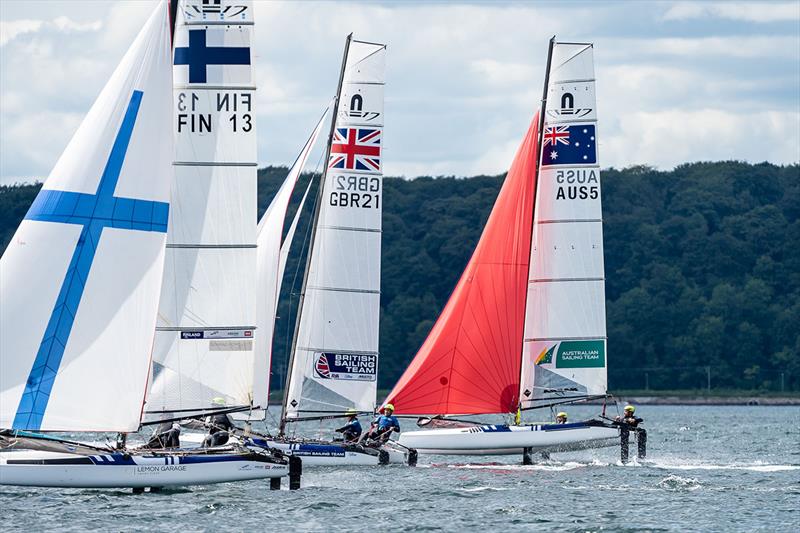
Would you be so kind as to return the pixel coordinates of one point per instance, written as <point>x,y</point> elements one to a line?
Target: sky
<point>677,82</point>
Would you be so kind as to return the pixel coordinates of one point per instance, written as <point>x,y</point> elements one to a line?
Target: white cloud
<point>743,11</point>
<point>671,137</point>
<point>463,80</point>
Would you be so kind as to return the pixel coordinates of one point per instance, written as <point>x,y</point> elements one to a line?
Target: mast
<point>542,112</point>
<point>317,208</point>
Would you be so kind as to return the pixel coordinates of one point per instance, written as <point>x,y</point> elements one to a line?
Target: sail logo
<point>346,366</point>
<point>356,149</point>
<point>215,10</point>
<point>581,354</point>
<point>546,357</point>
<point>356,110</point>
<point>569,145</point>
<point>568,109</point>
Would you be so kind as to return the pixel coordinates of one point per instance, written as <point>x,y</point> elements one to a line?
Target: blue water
<point>708,469</point>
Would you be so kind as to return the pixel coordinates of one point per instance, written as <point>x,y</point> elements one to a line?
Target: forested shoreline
<point>702,267</point>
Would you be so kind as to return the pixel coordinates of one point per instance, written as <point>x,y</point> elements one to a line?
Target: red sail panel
<point>470,362</point>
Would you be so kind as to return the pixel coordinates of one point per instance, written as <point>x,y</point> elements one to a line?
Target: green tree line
<point>702,268</point>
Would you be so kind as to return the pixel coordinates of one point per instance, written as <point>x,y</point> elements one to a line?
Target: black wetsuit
<point>165,439</point>
<point>218,434</point>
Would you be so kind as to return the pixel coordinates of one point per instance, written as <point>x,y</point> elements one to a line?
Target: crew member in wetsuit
<point>383,426</point>
<point>351,431</point>
<point>219,426</point>
<point>561,418</point>
<point>166,439</point>
<point>628,417</point>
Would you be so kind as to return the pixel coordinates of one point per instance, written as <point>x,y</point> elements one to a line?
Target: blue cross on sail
<point>213,55</point>
<point>80,281</point>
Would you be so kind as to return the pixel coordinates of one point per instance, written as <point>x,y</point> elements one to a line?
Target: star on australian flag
<point>569,145</point>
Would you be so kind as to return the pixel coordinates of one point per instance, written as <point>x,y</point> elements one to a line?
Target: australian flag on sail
<point>356,149</point>
<point>569,145</point>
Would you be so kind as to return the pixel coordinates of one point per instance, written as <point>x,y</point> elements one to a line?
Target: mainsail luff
<point>564,349</point>
<point>314,222</point>
<point>205,336</point>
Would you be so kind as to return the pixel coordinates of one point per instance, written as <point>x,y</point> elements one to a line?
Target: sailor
<point>561,418</point>
<point>166,439</point>
<point>386,423</point>
<point>351,431</point>
<point>628,417</point>
<point>219,426</point>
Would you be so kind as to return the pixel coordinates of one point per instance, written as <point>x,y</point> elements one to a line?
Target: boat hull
<point>510,440</point>
<point>332,454</point>
<point>117,470</point>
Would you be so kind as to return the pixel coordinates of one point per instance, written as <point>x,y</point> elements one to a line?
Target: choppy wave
<point>678,483</point>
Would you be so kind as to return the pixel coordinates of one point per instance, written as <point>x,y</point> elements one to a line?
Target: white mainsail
<point>564,351</point>
<point>204,346</point>
<point>271,262</point>
<point>80,280</point>
<point>335,354</point>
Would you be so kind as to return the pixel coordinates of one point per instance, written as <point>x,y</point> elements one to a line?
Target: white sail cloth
<point>204,346</point>
<point>335,360</point>
<point>271,262</point>
<point>79,282</point>
<point>564,352</point>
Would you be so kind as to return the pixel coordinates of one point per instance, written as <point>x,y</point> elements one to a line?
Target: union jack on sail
<point>356,149</point>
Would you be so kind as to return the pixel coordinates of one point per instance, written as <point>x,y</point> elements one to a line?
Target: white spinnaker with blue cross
<point>335,363</point>
<point>564,352</point>
<point>80,280</point>
<point>205,337</point>
<point>271,262</point>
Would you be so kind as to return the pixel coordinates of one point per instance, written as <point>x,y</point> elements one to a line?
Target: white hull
<point>510,440</point>
<point>330,454</point>
<point>53,469</point>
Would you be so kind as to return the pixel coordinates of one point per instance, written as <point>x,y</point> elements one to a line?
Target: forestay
<point>271,262</point>
<point>207,317</point>
<point>79,282</point>
<point>335,359</point>
<point>564,353</point>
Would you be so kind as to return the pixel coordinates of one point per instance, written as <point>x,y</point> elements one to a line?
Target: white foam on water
<point>757,466</point>
<point>483,489</point>
<point>534,467</point>
<point>673,482</point>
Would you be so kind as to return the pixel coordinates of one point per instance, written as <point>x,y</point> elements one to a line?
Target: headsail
<point>565,328</point>
<point>470,362</point>
<point>207,317</point>
<point>335,354</point>
<point>272,255</point>
<point>79,282</point>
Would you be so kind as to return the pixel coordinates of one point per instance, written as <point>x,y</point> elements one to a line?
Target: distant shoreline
<point>637,399</point>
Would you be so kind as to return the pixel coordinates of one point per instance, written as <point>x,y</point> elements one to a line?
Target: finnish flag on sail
<point>569,145</point>
<point>218,56</point>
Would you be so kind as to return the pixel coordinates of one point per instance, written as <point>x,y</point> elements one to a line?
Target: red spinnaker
<point>470,362</point>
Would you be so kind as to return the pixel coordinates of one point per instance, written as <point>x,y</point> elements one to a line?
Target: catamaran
<point>333,364</point>
<point>81,279</point>
<point>525,326</point>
